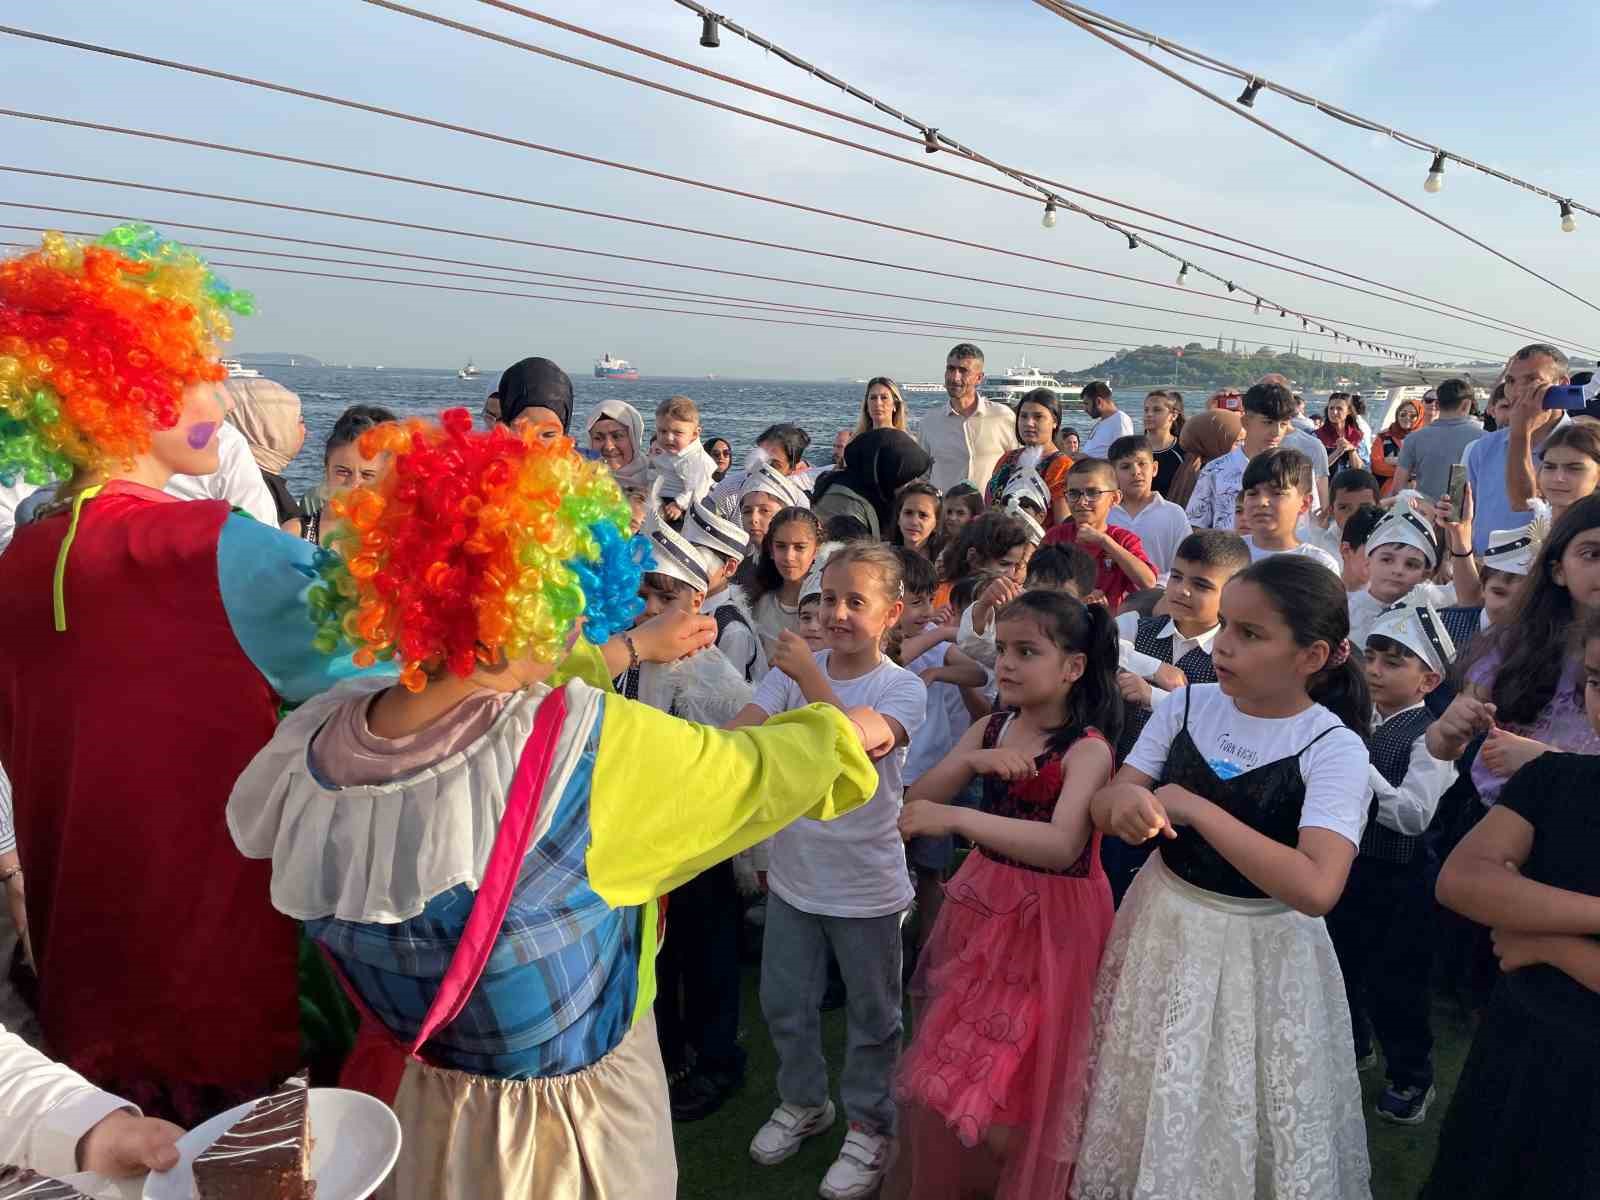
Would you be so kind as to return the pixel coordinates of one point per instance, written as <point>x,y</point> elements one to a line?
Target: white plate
<point>356,1141</point>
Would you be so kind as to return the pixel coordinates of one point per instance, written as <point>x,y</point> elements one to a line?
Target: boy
<point>1507,561</point>
<point>1057,568</point>
<point>1382,927</point>
<point>722,545</point>
<point>1401,553</point>
<point>1350,489</point>
<point>1091,495</point>
<point>1353,537</point>
<point>1277,491</point>
<point>1268,408</point>
<point>682,467</point>
<point>765,493</point>
<point>1160,523</point>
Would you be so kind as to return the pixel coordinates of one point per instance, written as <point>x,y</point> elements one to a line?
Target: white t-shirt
<point>237,479</point>
<point>1106,430</point>
<point>854,865</point>
<point>1215,490</point>
<point>948,718</point>
<point>1334,769</point>
<point>1161,526</point>
<point>1305,549</point>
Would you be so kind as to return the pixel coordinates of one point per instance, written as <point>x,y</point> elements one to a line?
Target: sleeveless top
<point>1267,798</point>
<point>1031,799</point>
<point>1391,754</point>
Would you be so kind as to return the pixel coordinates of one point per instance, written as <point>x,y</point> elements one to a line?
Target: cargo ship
<point>606,367</point>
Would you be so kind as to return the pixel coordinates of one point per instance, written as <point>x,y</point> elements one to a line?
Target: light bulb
<point>1049,221</point>
<point>1435,180</point>
<point>1183,275</point>
<point>1569,223</point>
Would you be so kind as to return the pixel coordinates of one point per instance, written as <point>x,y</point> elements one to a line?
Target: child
<point>1522,1121</point>
<point>1000,1059</point>
<point>1383,926</point>
<point>1160,524</point>
<point>1065,569</point>
<point>996,541</point>
<point>1349,490</point>
<point>917,513</point>
<point>1091,495</point>
<point>722,546</point>
<point>683,470</point>
<point>1268,408</point>
<point>841,887</point>
<point>765,492</point>
<point>773,583</point>
<point>1223,1032</point>
<point>962,505</point>
<point>1402,551</point>
<point>1277,487</point>
<point>1353,536</point>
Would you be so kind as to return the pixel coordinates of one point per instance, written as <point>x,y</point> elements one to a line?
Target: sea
<point>735,409</point>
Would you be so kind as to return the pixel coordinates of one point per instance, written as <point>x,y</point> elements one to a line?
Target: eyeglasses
<point>1089,494</point>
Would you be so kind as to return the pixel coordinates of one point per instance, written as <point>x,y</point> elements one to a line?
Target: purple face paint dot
<point>200,435</point>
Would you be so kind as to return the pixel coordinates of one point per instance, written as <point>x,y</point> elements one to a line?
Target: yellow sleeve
<point>584,662</point>
<point>669,798</point>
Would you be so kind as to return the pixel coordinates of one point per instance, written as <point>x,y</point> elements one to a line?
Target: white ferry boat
<point>1020,380</point>
<point>237,370</point>
<point>470,371</point>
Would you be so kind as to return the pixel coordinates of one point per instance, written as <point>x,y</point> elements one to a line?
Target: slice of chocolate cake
<point>265,1156</point>
<point>19,1183</point>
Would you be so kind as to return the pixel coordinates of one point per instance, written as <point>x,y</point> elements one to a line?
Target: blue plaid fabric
<point>559,989</point>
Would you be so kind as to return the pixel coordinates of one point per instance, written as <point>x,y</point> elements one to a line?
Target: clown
<point>481,853</point>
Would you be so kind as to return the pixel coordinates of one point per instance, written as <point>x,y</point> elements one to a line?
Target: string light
<point>1569,223</point>
<point>1183,275</point>
<point>1133,242</point>
<point>1049,221</point>
<point>1251,91</point>
<point>1258,306</point>
<point>1435,180</point>
<point>1231,288</point>
<point>930,141</point>
<point>708,31</point>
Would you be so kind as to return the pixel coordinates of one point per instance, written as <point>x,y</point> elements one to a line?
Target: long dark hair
<point>1095,701</point>
<point>992,535</point>
<point>1312,601</point>
<point>1044,398</point>
<point>1532,641</point>
<point>935,542</point>
<point>765,578</point>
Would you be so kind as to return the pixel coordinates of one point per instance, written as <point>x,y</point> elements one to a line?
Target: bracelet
<point>11,874</point>
<point>633,653</point>
<point>1468,554</point>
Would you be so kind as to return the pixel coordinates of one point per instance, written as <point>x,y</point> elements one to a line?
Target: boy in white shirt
<point>683,470</point>
<point>1277,489</point>
<point>1266,412</point>
<point>1160,524</point>
<point>722,544</point>
<point>1402,552</point>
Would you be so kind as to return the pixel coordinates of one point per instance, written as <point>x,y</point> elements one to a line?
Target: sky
<point>1006,77</point>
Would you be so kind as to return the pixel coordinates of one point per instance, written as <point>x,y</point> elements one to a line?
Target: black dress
<point>1525,1119</point>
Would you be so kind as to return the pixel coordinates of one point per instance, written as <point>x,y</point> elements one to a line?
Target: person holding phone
<point>1534,367</point>
<point>1569,462</point>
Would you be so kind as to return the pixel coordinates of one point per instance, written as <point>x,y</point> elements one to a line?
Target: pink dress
<point>1004,1024</point>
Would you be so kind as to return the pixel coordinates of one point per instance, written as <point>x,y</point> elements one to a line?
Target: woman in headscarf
<point>268,414</point>
<point>1038,419</point>
<point>877,464</point>
<point>616,434</point>
<point>1386,446</point>
<point>1205,436</point>
<point>882,407</point>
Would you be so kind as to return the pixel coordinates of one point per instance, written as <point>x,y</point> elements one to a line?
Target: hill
<point>1198,368</point>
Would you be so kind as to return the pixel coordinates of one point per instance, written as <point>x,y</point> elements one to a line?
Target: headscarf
<point>534,383</point>
<point>268,414</point>
<point>1206,436</point>
<point>877,464</point>
<point>633,475</point>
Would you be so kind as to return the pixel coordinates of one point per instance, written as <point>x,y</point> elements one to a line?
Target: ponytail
<point>1342,690</point>
<point>1076,628</point>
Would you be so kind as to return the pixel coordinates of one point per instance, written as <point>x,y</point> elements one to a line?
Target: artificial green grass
<point>714,1160</point>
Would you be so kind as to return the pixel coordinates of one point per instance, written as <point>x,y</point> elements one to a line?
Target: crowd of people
<point>1166,776</point>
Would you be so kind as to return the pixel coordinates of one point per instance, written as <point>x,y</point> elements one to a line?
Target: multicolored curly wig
<point>473,546</point>
<point>97,343</point>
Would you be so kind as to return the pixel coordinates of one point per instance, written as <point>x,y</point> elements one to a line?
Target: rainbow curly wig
<point>97,343</point>
<point>473,546</point>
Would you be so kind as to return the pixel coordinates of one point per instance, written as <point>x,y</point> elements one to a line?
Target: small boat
<point>237,370</point>
<point>470,371</point>
<point>606,367</point>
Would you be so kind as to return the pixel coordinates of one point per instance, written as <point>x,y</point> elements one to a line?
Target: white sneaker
<point>786,1128</point>
<point>860,1167</point>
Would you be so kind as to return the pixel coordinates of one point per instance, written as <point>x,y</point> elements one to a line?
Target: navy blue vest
<point>1195,665</point>
<point>1390,747</point>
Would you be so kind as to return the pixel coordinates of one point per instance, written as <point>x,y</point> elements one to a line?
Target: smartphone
<point>1457,489</point>
<point>1569,398</point>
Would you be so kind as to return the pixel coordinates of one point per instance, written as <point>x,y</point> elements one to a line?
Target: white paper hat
<point>1406,527</point>
<point>674,556</point>
<point>1027,484</point>
<point>1015,510</point>
<point>703,526</point>
<point>776,484</point>
<point>1418,628</point>
<point>1513,550</point>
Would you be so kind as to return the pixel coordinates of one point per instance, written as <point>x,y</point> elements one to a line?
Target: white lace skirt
<point>1223,1067</point>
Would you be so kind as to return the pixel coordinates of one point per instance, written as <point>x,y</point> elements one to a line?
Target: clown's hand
<point>672,635</point>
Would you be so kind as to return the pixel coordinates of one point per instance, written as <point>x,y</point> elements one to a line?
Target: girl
<point>876,466</point>
<point>343,466</point>
<point>1521,689</point>
<point>1223,1042</point>
<point>1386,447</point>
<point>1569,468</point>
<point>616,434</point>
<point>1038,420</point>
<point>881,407</point>
<point>996,541</point>
<point>842,886</point>
<point>772,585</point>
<point>1523,1119</point>
<point>1339,434</point>
<point>962,504</point>
<point>1001,1051</point>
<point>1163,426</point>
<point>918,512</point>
<point>1069,443</point>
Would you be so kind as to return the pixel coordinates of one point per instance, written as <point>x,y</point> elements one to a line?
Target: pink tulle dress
<point>1004,1025</point>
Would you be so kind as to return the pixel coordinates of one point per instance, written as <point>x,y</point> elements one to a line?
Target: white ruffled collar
<point>380,852</point>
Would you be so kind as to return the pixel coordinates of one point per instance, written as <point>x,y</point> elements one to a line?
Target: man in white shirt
<point>1110,422</point>
<point>237,479</point>
<point>967,436</point>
